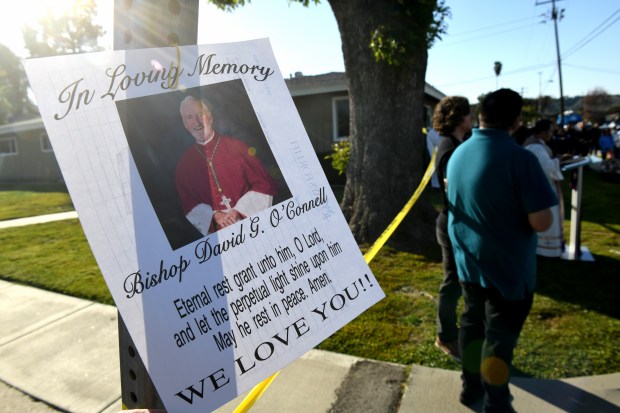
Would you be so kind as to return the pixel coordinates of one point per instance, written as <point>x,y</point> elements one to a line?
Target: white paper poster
<point>228,260</point>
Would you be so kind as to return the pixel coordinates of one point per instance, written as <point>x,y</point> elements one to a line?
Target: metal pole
<point>574,247</point>
<point>145,24</point>
<point>554,15</point>
<point>137,389</point>
<point>539,95</point>
<point>154,23</point>
<point>574,250</point>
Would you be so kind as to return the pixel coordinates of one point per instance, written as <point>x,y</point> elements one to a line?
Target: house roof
<point>21,126</point>
<point>301,85</point>
<point>433,91</point>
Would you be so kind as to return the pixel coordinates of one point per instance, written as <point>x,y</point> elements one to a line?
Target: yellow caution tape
<point>260,388</point>
<point>255,394</point>
<point>401,215</point>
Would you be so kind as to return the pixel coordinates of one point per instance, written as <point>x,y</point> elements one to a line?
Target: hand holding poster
<point>207,210</point>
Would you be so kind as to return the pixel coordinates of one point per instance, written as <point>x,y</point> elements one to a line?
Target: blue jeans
<point>490,327</point>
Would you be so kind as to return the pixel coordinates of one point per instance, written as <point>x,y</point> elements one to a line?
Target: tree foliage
<point>230,5</point>
<point>529,112</point>
<point>14,100</point>
<point>72,31</point>
<point>393,43</point>
<point>545,104</point>
<point>595,105</point>
<point>497,68</point>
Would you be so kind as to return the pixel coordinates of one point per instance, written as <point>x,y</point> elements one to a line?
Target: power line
<point>592,32</point>
<point>466,81</point>
<point>551,77</point>
<point>584,42</point>
<point>485,36</point>
<point>594,69</point>
<point>529,68</point>
<point>512,72</point>
<point>494,26</point>
<point>528,42</point>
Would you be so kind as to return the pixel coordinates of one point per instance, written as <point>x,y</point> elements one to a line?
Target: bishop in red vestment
<point>219,179</point>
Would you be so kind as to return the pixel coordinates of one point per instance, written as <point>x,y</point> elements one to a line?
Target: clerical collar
<point>208,140</point>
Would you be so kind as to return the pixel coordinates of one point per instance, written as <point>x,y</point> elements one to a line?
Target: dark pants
<point>490,327</point>
<point>449,290</point>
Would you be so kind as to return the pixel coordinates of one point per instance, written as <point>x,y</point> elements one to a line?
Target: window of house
<point>8,146</point>
<point>340,110</point>
<point>428,117</point>
<point>46,145</point>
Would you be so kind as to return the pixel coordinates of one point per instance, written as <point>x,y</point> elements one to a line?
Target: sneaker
<point>451,348</point>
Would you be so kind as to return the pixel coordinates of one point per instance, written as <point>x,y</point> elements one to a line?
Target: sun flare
<point>29,13</point>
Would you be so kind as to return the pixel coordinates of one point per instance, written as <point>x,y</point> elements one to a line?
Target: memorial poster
<point>206,209</point>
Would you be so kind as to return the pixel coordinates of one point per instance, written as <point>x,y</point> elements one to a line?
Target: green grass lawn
<point>25,200</point>
<point>573,329</point>
<point>53,256</point>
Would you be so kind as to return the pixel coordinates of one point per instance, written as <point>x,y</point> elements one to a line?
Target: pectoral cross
<point>226,203</point>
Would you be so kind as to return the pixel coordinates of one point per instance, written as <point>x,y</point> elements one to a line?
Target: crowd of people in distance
<point>587,139</point>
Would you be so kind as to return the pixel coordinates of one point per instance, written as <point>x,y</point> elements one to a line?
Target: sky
<point>518,33</point>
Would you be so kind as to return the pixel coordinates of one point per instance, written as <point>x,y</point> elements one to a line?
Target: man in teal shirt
<point>498,198</point>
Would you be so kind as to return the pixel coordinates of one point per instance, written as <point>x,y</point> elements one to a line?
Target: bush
<point>340,156</point>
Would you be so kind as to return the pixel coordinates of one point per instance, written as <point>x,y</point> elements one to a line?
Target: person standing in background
<point>432,141</point>
<point>550,241</point>
<point>453,121</point>
<point>606,144</point>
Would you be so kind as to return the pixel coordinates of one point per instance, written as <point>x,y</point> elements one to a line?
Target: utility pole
<point>555,14</point>
<point>539,95</point>
<point>146,24</point>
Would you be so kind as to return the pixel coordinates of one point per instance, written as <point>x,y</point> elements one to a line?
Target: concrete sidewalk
<point>61,353</point>
<point>41,219</point>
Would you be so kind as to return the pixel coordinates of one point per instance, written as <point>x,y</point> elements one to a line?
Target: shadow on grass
<point>34,187</point>
<point>593,286</point>
<point>610,229</point>
<point>600,199</point>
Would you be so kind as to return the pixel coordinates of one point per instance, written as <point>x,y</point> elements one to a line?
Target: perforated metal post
<point>137,389</point>
<point>145,24</point>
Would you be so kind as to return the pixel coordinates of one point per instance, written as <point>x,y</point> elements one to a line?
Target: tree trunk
<point>387,145</point>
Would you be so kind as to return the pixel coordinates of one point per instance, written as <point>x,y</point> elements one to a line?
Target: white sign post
<point>211,312</point>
